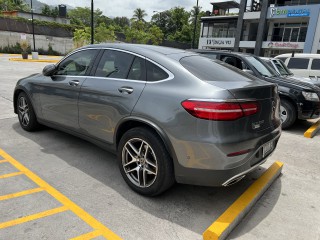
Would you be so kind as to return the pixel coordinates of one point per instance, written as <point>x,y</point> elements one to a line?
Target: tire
<point>288,113</point>
<point>27,118</point>
<point>144,162</point>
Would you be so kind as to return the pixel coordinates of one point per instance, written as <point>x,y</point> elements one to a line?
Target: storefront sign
<point>217,42</point>
<point>299,12</point>
<point>283,45</point>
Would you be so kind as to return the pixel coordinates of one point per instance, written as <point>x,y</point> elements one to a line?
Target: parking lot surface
<point>89,177</point>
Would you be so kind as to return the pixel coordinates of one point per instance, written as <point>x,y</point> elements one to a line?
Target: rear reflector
<point>220,111</point>
<point>239,153</point>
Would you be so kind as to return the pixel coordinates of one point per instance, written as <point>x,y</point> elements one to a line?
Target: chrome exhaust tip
<point>233,180</point>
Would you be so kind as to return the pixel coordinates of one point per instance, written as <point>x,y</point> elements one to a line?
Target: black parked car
<point>299,99</point>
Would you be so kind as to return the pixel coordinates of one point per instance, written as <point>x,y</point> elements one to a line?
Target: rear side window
<point>114,64</point>
<point>298,63</point>
<point>138,69</point>
<point>155,73</point>
<point>315,64</point>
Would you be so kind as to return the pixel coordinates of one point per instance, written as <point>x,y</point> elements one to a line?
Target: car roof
<point>299,55</point>
<point>146,50</point>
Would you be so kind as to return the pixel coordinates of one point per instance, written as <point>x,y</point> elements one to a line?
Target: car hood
<point>295,82</point>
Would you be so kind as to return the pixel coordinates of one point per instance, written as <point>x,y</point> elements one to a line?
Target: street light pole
<point>34,41</point>
<point>195,24</point>
<point>92,32</point>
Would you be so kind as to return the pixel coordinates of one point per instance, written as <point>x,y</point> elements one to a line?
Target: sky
<point>119,8</point>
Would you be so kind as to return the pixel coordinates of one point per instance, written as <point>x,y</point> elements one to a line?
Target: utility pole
<point>32,23</point>
<point>195,25</point>
<point>92,27</point>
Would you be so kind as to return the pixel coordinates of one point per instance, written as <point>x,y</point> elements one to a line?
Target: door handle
<point>74,83</point>
<point>126,90</point>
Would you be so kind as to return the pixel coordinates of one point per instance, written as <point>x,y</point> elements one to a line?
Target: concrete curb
<point>33,60</point>
<point>312,131</point>
<point>222,227</point>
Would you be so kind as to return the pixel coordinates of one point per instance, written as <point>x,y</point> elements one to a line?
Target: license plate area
<point>267,148</point>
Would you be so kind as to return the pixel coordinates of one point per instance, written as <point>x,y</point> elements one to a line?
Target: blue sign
<point>302,12</point>
<point>299,13</point>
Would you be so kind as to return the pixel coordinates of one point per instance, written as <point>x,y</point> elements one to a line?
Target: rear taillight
<point>220,111</point>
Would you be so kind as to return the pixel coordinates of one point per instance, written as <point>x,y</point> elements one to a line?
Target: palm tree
<point>139,14</point>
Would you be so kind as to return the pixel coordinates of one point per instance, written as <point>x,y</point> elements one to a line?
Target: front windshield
<point>261,67</point>
<point>282,67</point>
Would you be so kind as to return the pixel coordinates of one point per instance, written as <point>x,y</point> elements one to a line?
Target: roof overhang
<point>225,4</point>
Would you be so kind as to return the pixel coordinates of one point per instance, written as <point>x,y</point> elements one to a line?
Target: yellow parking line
<point>312,130</point>
<point>4,161</point>
<point>11,175</point>
<point>33,217</point>
<point>20,194</point>
<point>33,60</point>
<point>87,236</point>
<point>95,224</point>
<point>229,219</point>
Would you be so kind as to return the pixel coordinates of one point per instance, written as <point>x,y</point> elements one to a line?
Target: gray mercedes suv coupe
<point>170,115</point>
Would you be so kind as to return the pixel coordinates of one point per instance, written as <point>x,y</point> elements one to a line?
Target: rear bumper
<point>224,177</point>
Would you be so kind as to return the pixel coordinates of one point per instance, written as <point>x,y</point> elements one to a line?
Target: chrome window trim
<point>171,76</point>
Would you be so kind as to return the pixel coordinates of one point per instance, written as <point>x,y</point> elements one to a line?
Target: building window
<point>219,30</point>
<point>289,32</point>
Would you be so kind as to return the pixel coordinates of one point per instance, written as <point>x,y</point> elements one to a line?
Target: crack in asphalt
<point>6,98</point>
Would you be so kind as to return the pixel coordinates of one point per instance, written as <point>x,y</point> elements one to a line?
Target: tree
<point>139,14</point>
<point>82,16</point>
<point>156,35</point>
<point>121,21</point>
<point>54,12</point>
<point>81,37</point>
<point>9,5</point>
<point>104,33</point>
<point>46,10</point>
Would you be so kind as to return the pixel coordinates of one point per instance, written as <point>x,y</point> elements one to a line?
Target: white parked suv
<point>302,64</point>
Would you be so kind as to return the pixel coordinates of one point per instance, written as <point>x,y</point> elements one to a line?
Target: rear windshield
<point>213,70</point>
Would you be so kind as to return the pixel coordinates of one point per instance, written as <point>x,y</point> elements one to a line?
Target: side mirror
<point>49,70</point>
<point>248,71</point>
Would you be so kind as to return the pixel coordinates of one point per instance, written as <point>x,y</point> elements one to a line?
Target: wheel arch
<point>133,122</point>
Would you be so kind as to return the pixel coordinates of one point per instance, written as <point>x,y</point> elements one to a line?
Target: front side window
<point>261,67</point>
<point>77,64</point>
<point>114,64</point>
<point>298,63</point>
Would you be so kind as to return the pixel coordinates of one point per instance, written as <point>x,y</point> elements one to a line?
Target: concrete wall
<point>62,45</point>
<point>42,17</point>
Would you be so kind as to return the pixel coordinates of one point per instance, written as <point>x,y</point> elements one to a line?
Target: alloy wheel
<point>139,162</point>
<point>23,109</point>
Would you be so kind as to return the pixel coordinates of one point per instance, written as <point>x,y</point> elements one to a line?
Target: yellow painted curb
<point>33,60</point>
<point>312,130</point>
<point>233,215</point>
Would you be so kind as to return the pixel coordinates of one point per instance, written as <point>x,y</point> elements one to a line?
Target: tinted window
<point>211,70</point>
<point>138,69</point>
<point>298,63</point>
<point>315,64</point>
<point>155,73</point>
<point>77,64</point>
<point>282,59</point>
<point>114,64</point>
